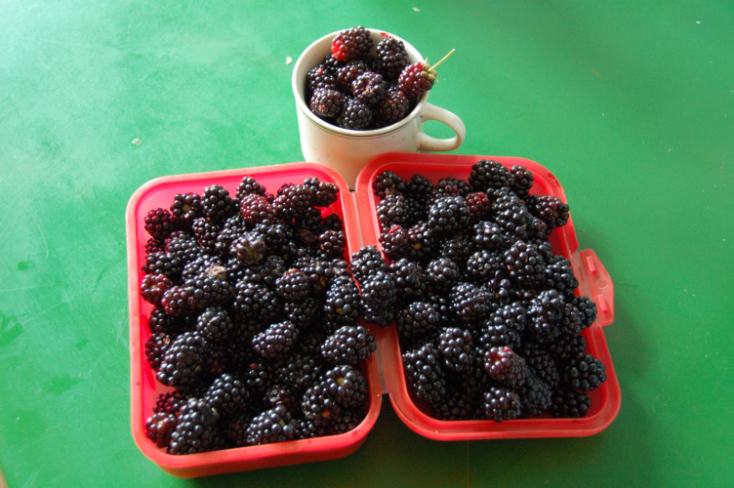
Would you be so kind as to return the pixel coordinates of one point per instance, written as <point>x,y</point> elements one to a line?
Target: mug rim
<point>304,108</point>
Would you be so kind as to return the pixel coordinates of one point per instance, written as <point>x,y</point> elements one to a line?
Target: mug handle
<point>428,143</point>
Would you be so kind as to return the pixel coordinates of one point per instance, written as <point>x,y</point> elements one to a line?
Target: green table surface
<point>629,104</point>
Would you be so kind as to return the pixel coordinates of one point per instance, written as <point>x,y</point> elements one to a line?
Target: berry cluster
<point>356,90</point>
<point>254,318</point>
<point>487,316</point>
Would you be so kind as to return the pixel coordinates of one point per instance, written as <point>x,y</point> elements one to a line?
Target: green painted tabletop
<point>629,104</point>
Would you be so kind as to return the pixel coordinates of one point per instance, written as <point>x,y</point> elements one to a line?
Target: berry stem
<point>433,68</point>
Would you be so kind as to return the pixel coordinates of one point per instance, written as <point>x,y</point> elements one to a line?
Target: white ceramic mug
<point>348,151</point>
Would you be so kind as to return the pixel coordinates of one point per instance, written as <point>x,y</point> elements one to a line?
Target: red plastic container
<point>594,282</point>
<point>145,388</point>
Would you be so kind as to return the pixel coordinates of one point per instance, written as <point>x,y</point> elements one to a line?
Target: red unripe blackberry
<point>256,208</point>
<point>153,287</point>
<point>351,44</point>
<point>416,79</point>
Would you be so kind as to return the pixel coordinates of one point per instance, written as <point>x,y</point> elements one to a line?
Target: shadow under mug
<point>348,151</point>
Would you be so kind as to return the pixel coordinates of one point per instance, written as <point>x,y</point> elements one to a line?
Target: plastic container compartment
<point>145,388</point>
<point>594,282</point>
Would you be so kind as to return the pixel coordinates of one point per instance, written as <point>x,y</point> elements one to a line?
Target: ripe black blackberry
<point>265,272</point>
<point>387,183</point>
<point>424,374</point>
<point>170,402</point>
<point>470,303</point>
<point>258,375</point>
<point>569,403</point>
<point>566,347</point>
<point>408,277</point>
<point>153,287</point>
<point>164,264</point>
<point>456,348</point>
<point>442,274</point>
<point>584,372</point>
<point>393,107</point>
<point>249,186</point>
<point>502,404</point>
<point>419,188</point>
<point>455,406</point>
<point>276,340</point>
<point>559,276</point>
<point>348,420</point>
<point>524,265</point>
<point>299,372</point>
<point>393,58</point>
<point>450,187</point>
<point>159,426</point>
<point>214,324</point>
<point>394,242</point>
<point>310,341</point>
<point>209,290</point>
<point>544,314</point>
<point>505,366</point>
<point>511,214</point>
<point>195,430</point>
<point>295,201</point>
<point>379,291</point>
<point>293,286</point>
<point>348,72</point>
<point>185,208</point>
<point>369,88</point>
<point>490,236</point>
<point>206,232</point>
<point>155,349</point>
<point>319,273</point>
<point>346,385</point>
<point>204,263</point>
<point>367,261</point>
<point>513,316</point>
<point>392,210</point>
<point>356,115</point>
<point>381,317</point>
<point>332,242</point>
<point>271,426</point>
<point>348,345</point>
<point>320,77</point>
<point>318,404</point>
<point>159,223</point>
<point>255,304</point>
<point>233,228</point>
<point>549,209</point>
<point>541,364</point>
<point>333,222</point>
<point>178,301</point>
<point>218,205</point>
<point>327,102</point>
<point>484,266</point>
<point>448,215</point>
<point>309,429</point>
<point>587,308</point>
<point>535,396</point>
<point>236,428</point>
<point>522,181</point>
<point>154,245</point>
<point>488,176</point>
<point>498,335</point>
<point>227,395</point>
<point>325,193</point>
<point>422,242</point>
<point>250,248</point>
<point>303,313</point>
<point>161,322</point>
<point>281,395</point>
<point>571,321</point>
<point>442,305</point>
<point>352,43</point>
<point>457,248</point>
<point>343,303</point>
<point>183,360</point>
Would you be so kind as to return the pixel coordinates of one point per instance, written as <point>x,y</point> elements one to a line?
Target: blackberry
<point>489,236</point>
<point>161,322</point>
<point>535,396</point>
<point>367,261</point>
<point>159,223</point>
<point>250,248</point>
<point>569,403</point>
<point>448,215</point>
<point>442,274</point>
<point>545,313</point>
<point>502,404</point>
<point>522,181</point>
<point>153,287</point>
<point>158,428</point>
<point>280,395</point>
<point>319,78</point>
<point>524,265</point>
<point>327,102</point>
<point>309,429</point>
<point>419,188</point>
<point>206,232</point>
<point>566,347</point>
<point>276,340</point>
<point>450,187</point>
<point>271,426</point>
<point>536,229</point>
<point>332,242</point>
<point>204,264</point>
<point>351,44</point>
<point>227,396</point>
<point>392,210</point>
<point>455,346</point>
<point>422,242</point>
<point>164,264</point>
<point>186,207</point>
<point>369,88</point>
<point>310,342</point>
<point>478,204</point>
<point>584,372</point>
<point>258,376</point>
<point>178,301</point>
<point>416,211</point>
<point>170,402</point>
<point>393,107</point>
<point>348,345</point>
<point>293,286</point>
<point>470,303</point>
<point>571,320</point>
<point>249,186</point>
<point>343,303</point>
<point>319,273</point>
<point>394,242</point>
<point>214,324</point>
<point>416,79</point>
<point>541,364</point>
<point>381,317</point>
<point>442,305</point>
<point>155,348</point>
<point>218,205</point>
<point>256,209</point>
<point>348,420</point>
<point>457,249</point>
<point>346,385</point>
<point>333,222</point>
<point>154,245</point>
<point>512,316</point>
<point>559,276</point>
<point>267,271</point>
<point>408,277</point>
<point>505,366</point>
<point>209,290</point>
<point>549,209</point>
<point>511,214</point>
<point>184,246</point>
<point>255,304</point>
<point>356,115</point>
<point>379,291</point>
<point>325,193</point>
<point>387,183</point>
<point>349,72</point>
<point>303,313</point>
<point>318,405</point>
<point>488,176</point>
<point>233,228</point>
<point>393,58</point>
<point>299,372</point>
<point>424,374</point>
<point>183,360</point>
<point>587,308</point>
<point>294,202</point>
<point>236,429</point>
<point>455,406</point>
<point>498,335</point>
